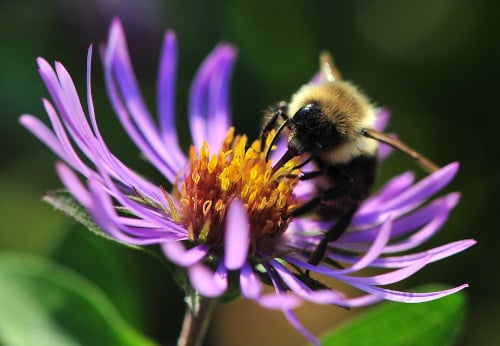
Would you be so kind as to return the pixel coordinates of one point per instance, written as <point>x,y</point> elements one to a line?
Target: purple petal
<point>250,284</point>
<point>68,103</point>
<point>437,209</point>
<point>206,282</point>
<point>434,255</point>
<point>73,184</point>
<point>419,237</point>
<point>325,296</point>
<point>290,316</point>
<point>158,216</point>
<point>414,195</point>
<point>374,251</point>
<point>166,97</point>
<point>177,253</point>
<point>70,155</point>
<point>209,98</point>
<point>274,301</point>
<point>103,212</point>
<point>72,115</point>
<point>166,86</point>
<point>317,78</point>
<point>43,133</point>
<point>392,188</point>
<point>383,117</point>
<point>382,279</point>
<point>116,168</point>
<point>292,319</point>
<point>129,106</point>
<point>236,236</point>
<point>424,189</point>
<point>365,300</point>
<point>386,278</point>
<point>409,297</point>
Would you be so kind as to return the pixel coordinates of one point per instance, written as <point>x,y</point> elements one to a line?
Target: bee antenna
<point>275,138</point>
<point>427,164</point>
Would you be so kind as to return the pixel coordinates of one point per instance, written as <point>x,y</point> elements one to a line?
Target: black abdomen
<point>357,176</point>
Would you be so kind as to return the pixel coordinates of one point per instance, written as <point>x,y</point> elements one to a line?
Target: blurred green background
<point>433,63</point>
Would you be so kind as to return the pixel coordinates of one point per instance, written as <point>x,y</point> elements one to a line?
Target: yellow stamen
<point>236,171</point>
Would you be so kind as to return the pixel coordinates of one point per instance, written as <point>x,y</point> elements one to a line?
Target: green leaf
<point>135,282</point>
<point>43,303</point>
<point>432,323</point>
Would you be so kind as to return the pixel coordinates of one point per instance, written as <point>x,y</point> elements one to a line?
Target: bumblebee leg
<point>311,175</point>
<point>333,234</point>
<point>271,120</point>
<point>332,193</point>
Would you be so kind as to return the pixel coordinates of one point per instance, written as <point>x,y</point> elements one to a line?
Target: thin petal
<point>287,310</point>
<point>383,117</point>
<point>73,184</point>
<point>103,212</point>
<point>381,279</point>
<point>365,300</point>
<point>419,237</point>
<point>374,251</point>
<point>323,296</point>
<point>250,284</point>
<point>434,255</point>
<point>166,97</point>
<point>236,236</point>
<point>156,215</point>
<point>128,104</point>
<point>409,297</point>
<point>414,195</point>
<point>437,209</point>
<point>290,316</point>
<point>43,133</point>
<point>206,282</point>
<point>177,253</point>
<point>208,102</point>
<point>390,189</point>
<point>273,301</point>
<point>116,168</point>
<point>387,278</point>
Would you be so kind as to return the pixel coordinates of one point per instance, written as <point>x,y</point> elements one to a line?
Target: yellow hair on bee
<point>346,107</point>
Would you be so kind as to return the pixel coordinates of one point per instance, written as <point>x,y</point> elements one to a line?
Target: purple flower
<point>226,210</point>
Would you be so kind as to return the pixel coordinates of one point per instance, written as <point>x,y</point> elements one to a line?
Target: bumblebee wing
<point>427,164</point>
<point>329,72</point>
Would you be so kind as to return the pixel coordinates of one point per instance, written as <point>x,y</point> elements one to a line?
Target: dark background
<point>434,63</point>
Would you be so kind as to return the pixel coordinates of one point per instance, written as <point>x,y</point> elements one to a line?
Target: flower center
<point>214,180</point>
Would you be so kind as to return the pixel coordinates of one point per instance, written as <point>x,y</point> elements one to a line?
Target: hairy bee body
<point>332,122</point>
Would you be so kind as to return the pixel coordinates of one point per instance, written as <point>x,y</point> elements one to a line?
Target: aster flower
<point>226,212</point>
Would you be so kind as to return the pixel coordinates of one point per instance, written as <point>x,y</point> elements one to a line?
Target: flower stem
<point>196,321</point>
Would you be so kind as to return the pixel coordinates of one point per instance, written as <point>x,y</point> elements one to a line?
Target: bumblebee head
<point>310,130</point>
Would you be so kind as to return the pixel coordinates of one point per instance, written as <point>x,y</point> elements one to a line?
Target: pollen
<point>238,170</point>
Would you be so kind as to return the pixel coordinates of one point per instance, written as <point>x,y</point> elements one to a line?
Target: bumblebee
<point>331,123</point>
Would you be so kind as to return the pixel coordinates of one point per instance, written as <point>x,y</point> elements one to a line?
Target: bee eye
<point>307,115</point>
